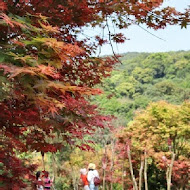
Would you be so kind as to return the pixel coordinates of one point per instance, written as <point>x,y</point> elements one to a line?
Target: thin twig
<point>109,33</point>
<point>150,33</point>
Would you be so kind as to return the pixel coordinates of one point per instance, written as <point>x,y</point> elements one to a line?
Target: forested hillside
<point>143,78</point>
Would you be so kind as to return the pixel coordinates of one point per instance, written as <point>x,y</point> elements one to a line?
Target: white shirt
<point>39,187</point>
<point>91,175</point>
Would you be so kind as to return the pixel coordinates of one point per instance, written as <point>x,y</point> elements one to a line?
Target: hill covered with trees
<point>143,78</point>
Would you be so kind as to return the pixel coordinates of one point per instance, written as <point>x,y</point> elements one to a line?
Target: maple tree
<point>48,73</point>
<point>159,136</point>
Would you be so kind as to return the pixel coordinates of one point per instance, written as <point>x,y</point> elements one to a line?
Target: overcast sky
<point>174,37</point>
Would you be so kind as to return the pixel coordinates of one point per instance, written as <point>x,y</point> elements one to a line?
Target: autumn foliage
<point>160,131</point>
<point>48,73</point>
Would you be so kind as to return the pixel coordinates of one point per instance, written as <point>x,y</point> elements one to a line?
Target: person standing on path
<point>47,181</point>
<point>83,177</point>
<point>92,173</point>
<point>39,181</point>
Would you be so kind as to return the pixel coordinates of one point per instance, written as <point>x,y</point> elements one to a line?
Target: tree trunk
<point>169,172</point>
<point>104,170</point>
<point>145,171</point>
<point>140,173</point>
<point>122,175</point>
<point>54,170</point>
<point>112,164</point>
<point>104,178</point>
<point>131,170</point>
<point>54,167</point>
<point>43,162</point>
<point>107,187</point>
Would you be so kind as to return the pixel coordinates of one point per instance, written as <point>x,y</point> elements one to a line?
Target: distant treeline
<point>143,78</point>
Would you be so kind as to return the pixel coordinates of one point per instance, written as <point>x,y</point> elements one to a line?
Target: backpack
<point>97,181</point>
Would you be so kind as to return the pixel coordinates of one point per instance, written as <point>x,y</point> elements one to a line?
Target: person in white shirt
<point>92,173</point>
<point>39,185</point>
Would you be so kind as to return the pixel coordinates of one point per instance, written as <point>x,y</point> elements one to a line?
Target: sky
<point>174,38</point>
